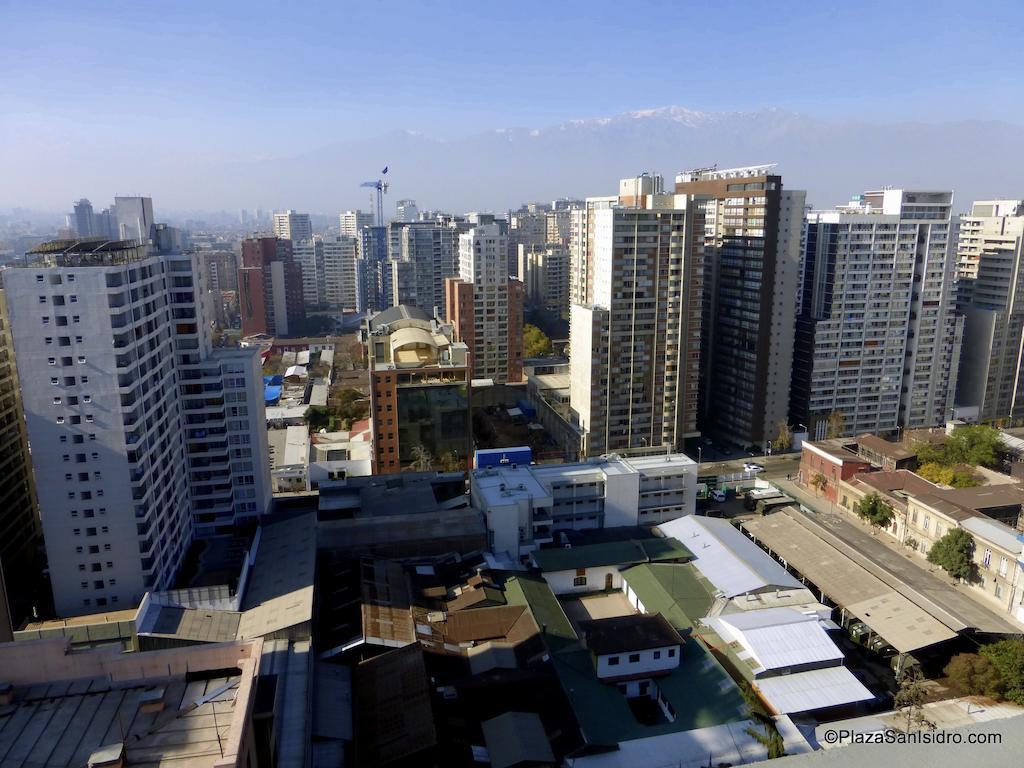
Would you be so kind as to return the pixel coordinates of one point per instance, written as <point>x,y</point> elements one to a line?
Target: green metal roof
<point>611,553</point>
<point>676,591</point>
<point>699,690</point>
<point>535,593</point>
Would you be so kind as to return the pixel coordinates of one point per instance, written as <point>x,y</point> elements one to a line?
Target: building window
<point>580,579</point>
<point>657,655</point>
<point>671,653</point>
<point>986,559</point>
<point>613,661</point>
<point>634,658</point>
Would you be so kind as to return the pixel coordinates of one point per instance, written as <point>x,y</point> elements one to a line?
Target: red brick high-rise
<point>270,288</point>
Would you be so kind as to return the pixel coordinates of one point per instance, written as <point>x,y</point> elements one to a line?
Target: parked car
<point>755,468</point>
<point>718,495</point>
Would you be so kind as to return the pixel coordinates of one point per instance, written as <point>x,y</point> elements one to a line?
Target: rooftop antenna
<point>382,187</point>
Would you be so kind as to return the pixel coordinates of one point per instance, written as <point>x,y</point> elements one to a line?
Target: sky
<point>132,96</point>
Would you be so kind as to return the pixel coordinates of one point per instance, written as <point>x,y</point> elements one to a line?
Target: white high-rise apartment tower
<point>95,349</point>
<point>141,432</point>
<point>340,252</point>
<point>990,293</point>
<point>309,254</point>
<point>223,413</point>
<point>351,223</point>
<point>877,338</point>
<point>293,226</point>
<point>635,339</point>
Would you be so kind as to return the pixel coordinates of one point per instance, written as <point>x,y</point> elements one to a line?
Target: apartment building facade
<point>309,255</point>
<point>485,305</point>
<point>93,330</point>
<point>340,276</point>
<point>270,294</point>
<point>293,226</point>
<point>525,506</point>
<point>752,264</point>
<point>635,359</point>
<point>351,223</point>
<point>419,392</point>
<point>223,413</point>
<point>878,337</point>
<point>990,294</point>
<point>544,273</point>
<point>19,516</point>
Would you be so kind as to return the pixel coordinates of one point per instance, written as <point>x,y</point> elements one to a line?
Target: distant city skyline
<point>183,111</point>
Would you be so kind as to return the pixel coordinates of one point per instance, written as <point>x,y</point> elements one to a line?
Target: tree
<point>974,675</point>
<point>1007,656</point>
<point>784,439</point>
<point>819,482</point>
<point>955,477</point>
<point>875,511</point>
<point>450,462</point>
<point>910,699</point>
<point>972,445</point>
<point>954,552</point>
<point>422,461</point>
<point>835,424</point>
<point>975,445</point>
<point>769,737</point>
<point>535,342</point>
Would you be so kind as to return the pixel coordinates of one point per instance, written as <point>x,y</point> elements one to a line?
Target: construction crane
<point>382,187</point>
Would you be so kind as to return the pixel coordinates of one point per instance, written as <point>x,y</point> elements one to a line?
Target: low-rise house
<point>595,567</point>
<point>632,651</point>
<point>338,455</point>
<point>825,463</point>
<point>885,454</point>
<point>289,459</point>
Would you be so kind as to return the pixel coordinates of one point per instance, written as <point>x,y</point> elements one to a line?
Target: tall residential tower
<point>635,342</point>
<point>878,338</point>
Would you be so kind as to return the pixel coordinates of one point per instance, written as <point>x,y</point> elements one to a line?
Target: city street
<point>779,465</point>
<point>891,563</point>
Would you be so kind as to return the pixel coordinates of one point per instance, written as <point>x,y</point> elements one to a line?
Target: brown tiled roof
<point>881,446</point>
<point>899,480</point>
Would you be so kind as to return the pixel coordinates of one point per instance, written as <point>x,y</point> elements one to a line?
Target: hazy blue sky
<point>107,89</point>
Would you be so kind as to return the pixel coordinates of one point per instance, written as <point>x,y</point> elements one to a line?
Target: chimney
<point>109,756</point>
<point>151,701</point>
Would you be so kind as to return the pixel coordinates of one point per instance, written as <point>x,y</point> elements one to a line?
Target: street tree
<point>784,439</point>
<point>835,425</point>
<point>910,699</point>
<point>875,511</point>
<point>954,552</point>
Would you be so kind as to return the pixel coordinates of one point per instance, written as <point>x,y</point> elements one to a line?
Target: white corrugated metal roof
<point>302,358</point>
<point>808,691</point>
<point>727,558</point>
<point>295,370</point>
<point>776,638</point>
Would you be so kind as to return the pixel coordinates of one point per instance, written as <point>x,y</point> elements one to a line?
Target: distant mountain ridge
<point>501,168</point>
